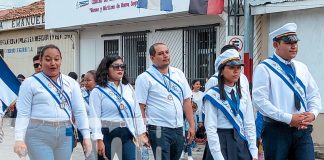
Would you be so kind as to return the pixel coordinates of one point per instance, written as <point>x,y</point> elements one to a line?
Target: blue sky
<point>7,4</point>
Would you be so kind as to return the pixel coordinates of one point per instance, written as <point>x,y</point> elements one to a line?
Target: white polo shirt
<point>160,110</point>
<point>35,102</point>
<point>274,99</point>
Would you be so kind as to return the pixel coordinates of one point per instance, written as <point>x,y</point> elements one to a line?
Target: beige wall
<point>18,54</point>
<point>318,130</point>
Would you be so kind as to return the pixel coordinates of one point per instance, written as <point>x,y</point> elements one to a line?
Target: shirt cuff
<point>315,113</point>
<point>218,156</point>
<point>96,136</point>
<point>254,154</point>
<point>85,133</point>
<point>20,137</point>
<point>287,117</point>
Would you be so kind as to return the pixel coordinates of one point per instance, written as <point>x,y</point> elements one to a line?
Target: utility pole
<point>248,41</point>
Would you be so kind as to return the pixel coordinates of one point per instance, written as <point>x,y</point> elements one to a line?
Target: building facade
<point>23,34</point>
<point>119,27</point>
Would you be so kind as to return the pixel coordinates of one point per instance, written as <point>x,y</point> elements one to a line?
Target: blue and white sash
<point>117,104</point>
<point>64,94</point>
<point>85,95</point>
<point>296,86</point>
<point>166,81</point>
<point>213,97</point>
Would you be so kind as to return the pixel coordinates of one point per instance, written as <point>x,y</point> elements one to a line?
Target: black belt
<point>274,122</point>
<point>51,123</point>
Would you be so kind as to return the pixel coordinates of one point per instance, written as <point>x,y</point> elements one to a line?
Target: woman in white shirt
<point>229,116</point>
<point>114,101</point>
<point>89,83</point>
<point>45,104</point>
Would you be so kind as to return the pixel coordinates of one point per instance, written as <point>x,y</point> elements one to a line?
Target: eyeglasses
<point>36,65</point>
<point>117,66</point>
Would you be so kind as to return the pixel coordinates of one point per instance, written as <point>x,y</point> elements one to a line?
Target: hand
<point>296,120</point>
<point>191,135</point>
<point>309,119</point>
<point>143,140</point>
<point>12,106</point>
<point>20,148</point>
<point>100,147</point>
<point>87,146</point>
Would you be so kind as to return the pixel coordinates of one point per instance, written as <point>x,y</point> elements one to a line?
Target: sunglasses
<point>36,65</point>
<point>117,66</point>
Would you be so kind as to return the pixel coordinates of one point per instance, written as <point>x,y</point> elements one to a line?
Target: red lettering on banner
<point>124,4</point>
<point>96,1</point>
<point>94,9</point>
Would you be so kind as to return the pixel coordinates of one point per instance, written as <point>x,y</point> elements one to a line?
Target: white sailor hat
<point>230,57</point>
<point>286,33</point>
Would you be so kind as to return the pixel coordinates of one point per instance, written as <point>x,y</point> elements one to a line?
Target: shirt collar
<point>282,60</point>
<point>228,89</point>
<point>111,83</point>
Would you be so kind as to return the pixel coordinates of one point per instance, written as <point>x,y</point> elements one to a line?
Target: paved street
<point>6,148</point>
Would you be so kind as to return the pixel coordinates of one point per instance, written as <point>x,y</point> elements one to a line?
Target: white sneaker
<point>190,158</point>
<point>182,155</point>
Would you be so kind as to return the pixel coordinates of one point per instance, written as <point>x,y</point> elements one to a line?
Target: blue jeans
<point>167,143</point>
<point>283,142</point>
<point>118,141</point>
<point>49,142</point>
<point>188,147</point>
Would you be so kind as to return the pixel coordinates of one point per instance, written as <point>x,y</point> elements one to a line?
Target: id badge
<point>69,131</point>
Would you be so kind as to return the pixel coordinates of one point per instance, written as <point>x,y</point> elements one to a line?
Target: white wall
<point>310,31</point>
<point>92,44</point>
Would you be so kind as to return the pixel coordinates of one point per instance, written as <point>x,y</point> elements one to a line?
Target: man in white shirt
<point>287,96</point>
<point>164,94</point>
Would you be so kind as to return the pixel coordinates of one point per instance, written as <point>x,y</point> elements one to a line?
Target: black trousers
<point>282,142</point>
<point>233,147</point>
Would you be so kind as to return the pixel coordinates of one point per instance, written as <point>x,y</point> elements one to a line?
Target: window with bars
<point>134,52</point>
<point>39,50</point>
<point>200,47</point>
<point>111,47</point>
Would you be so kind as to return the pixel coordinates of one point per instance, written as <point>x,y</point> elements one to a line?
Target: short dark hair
<point>48,47</point>
<point>21,76</point>
<point>152,48</point>
<point>92,72</point>
<point>73,75</point>
<point>193,82</point>
<point>229,46</point>
<point>36,57</point>
<point>102,70</point>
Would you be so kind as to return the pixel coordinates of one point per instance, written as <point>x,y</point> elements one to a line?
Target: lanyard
<point>59,89</point>
<point>120,106</point>
<point>168,87</point>
<point>55,98</point>
<point>119,96</point>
